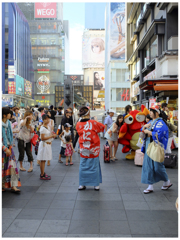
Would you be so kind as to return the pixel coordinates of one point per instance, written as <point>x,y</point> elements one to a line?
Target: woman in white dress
<point>45,151</point>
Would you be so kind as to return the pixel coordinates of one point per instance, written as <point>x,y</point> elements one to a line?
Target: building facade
<point>48,48</point>
<point>17,65</point>
<point>117,84</point>
<point>152,53</point>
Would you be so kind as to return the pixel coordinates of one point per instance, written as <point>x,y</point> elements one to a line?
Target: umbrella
<point>4,104</point>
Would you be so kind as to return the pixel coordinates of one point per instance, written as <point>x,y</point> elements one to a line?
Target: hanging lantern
<point>39,27</point>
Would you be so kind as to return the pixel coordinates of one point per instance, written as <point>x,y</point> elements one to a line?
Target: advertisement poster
<point>152,102</point>
<point>45,10</point>
<point>27,88</point>
<point>151,75</point>
<point>19,85</point>
<point>11,87</point>
<point>99,80</point>
<point>93,52</point>
<point>117,28</point>
<point>175,115</point>
<point>43,84</point>
<point>136,88</point>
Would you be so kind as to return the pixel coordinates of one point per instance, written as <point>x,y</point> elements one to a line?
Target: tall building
<point>117,85</point>
<point>48,34</point>
<point>17,65</point>
<point>152,52</point>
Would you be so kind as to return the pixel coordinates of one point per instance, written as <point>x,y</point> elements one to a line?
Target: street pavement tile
<point>18,235</point>
<point>84,227</point>
<point>132,196</point>
<point>130,184</point>
<point>85,214</point>
<point>33,213</point>
<point>114,227</point>
<point>67,196</point>
<point>110,197</point>
<point>55,178</point>
<point>88,195</point>
<point>50,184</point>
<point>109,184</point>
<point>67,183</point>
<point>10,212</point>
<point>124,190</point>
<point>50,235</point>
<point>42,196</point>
<point>58,214</point>
<point>60,174</point>
<point>167,226</point>
<point>16,203</point>
<point>142,215</point>
<point>6,222</point>
<point>111,205</point>
<point>39,203</point>
<point>67,189</point>
<point>161,205</point>
<point>132,205</point>
<point>171,198</point>
<point>54,226</point>
<point>91,205</point>
<point>82,235</point>
<point>24,226</point>
<point>160,215</point>
<point>113,215</point>
<point>47,189</point>
<point>109,189</point>
<point>36,182</point>
<point>144,227</point>
<point>56,203</point>
<point>155,197</point>
<point>114,236</point>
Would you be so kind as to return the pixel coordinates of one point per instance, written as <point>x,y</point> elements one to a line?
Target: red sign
<point>45,10</point>
<point>43,97</point>
<point>43,70</point>
<point>125,96</point>
<point>73,77</point>
<point>11,87</point>
<point>152,102</point>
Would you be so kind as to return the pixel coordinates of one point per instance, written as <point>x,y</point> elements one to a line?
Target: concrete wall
<point>148,21</point>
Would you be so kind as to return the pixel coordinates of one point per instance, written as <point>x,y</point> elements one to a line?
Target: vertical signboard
<point>27,88</point>
<point>19,85</point>
<point>11,87</point>
<point>152,102</point>
<point>117,34</point>
<point>45,10</point>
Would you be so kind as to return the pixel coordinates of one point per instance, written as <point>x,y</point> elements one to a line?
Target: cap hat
<point>67,125</point>
<point>111,111</point>
<point>156,108</point>
<point>83,111</point>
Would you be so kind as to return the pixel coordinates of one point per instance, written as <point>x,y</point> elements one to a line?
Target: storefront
<point>18,101</point>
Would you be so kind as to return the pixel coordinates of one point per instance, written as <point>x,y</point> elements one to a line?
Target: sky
<point>75,13</point>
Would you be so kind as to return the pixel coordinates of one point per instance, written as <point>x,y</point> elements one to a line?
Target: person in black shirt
<point>68,119</point>
<point>59,112</point>
<point>53,113</point>
<point>165,108</point>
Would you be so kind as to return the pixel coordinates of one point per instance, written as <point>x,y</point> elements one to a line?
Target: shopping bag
<point>34,139</point>
<point>156,151</point>
<point>140,143</point>
<point>175,141</point>
<point>172,145</point>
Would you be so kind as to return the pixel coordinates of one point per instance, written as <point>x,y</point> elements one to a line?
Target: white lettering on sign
<point>43,65</point>
<point>47,59</point>
<point>43,12</point>
<point>88,126</point>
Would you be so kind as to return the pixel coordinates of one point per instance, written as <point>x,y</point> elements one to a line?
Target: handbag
<point>140,142</point>
<point>34,139</point>
<point>156,151</point>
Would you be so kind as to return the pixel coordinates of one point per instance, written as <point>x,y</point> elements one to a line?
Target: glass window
<point>146,55</point>
<point>153,47</point>
<point>122,94</point>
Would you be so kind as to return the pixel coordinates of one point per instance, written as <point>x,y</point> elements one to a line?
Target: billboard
<point>11,87</point>
<point>27,88</point>
<point>117,31</point>
<point>45,10</point>
<point>43,84</point>
<point>99,80</point>
<point>93,52</point>
<point>19,85</point>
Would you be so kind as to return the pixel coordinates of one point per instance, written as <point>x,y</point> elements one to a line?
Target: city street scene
<point>90,119</point>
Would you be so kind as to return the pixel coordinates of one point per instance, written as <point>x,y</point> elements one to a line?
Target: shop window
<point>146,55</point>
<point>122,94</point>
<point>153,48</point>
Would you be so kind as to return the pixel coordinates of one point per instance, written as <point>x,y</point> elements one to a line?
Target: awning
<point>165,87</point>
<point>151,83</point>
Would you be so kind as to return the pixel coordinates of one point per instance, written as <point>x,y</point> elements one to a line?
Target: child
<point>62,136</point>
<point>45,151</point>
<point>148,118</point>
<point>69,149</point>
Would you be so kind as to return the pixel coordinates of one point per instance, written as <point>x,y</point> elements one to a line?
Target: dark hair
<point>44,116</point>
<point>164,105</point>
<point>40,109</point>
<point>148,116</point>
<point>68,138</point>
<point>36,106</point>
<point>154,111</point>
<point>127,108</point>
<point>11,112</point>
<point>5,111</point>
<point>95,75</point>
<point>46,111</point>
<point>117,120</point>
<point>55,108</point>
<point>51,107</point>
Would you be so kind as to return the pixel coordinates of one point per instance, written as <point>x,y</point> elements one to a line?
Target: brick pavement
<point>56,208</point>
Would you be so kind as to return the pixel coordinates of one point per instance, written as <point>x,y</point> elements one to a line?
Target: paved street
<point>56,208</point>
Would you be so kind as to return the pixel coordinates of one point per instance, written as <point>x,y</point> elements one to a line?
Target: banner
<point>152,102</point>
<point>27,88</point>
<point>99,80</point>
<point>19,85</point>
<point>117,28</point>
<point>151,75</point>
<point>45,10</point>
<point>136,88</point>
<point>11,87</point>
<point>93,52</point>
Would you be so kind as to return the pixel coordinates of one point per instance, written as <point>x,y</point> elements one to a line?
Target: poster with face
<point>99,80</point>
<point>93,53</point>
<point>19,85</point>
<point>117,30</point>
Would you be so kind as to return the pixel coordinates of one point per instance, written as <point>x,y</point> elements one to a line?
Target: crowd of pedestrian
<point>20,125</point>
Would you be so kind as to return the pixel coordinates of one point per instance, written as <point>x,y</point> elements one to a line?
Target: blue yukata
<point>153,172</point>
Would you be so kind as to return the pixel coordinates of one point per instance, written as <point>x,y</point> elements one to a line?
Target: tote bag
<point>156,151</point>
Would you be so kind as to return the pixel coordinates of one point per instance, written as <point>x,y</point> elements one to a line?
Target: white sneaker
<point>96,188</point>
<point>82,187</point>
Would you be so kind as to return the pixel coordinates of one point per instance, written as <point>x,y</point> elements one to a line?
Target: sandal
<point>82,188</point>
<point>112,159</point>
<point>166,187</point>
<point>71,163</point>
<point>22,169</point>
<point>66,164</point>
<point>147,191</point>
<point>60,161</point>
<point>15,190</point>
<point>45,177</point>
<point>30,170</point>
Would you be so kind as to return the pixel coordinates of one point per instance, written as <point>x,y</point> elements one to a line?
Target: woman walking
<point>10,175</point>
<point>24,143</point>
<point>153,172</point>
<point>112,136</point>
